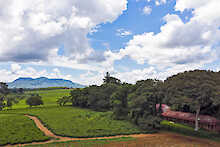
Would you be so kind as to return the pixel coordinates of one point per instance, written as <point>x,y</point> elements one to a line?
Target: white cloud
<point>123,33</point>
<point>179,46</point>
<point>147,10</point>
<point>15,67</point>
<point>17,71</point>
<point>160,2</point>
<point>31,29</point>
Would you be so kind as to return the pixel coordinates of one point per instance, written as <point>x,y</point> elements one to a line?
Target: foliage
<point>18,129</point>
<point>63,100</point>
<point>108,79</point>
<point>75,122</point>
<point>7,99</point>
<point>94,97</point>
<point>49,97</point>
<point>120,101</point>
<point>142,103</point>
<point>34,100</point>
<point>195,89</point>
<point>187,130</point>
<point>88,143</point>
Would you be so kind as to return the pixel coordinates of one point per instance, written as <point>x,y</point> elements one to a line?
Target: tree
<point>63,100</point>
<point>34,100</point>
<point>6,100</point>
<point>108,79</point>
<point>195,89</point>
<point>142,103</point>
<point>120,101</point>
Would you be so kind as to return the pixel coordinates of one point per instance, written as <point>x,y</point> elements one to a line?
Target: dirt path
<point>62,139</point>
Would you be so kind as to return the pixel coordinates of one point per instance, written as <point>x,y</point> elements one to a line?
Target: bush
<point>34,100</point>
<point>149,123</point>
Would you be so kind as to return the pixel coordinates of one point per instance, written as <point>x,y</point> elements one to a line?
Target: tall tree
<point>120,101</point>
<point>196,89</point>
<point>108,79</point>
<point>6,100</point>
<point>142,103</point>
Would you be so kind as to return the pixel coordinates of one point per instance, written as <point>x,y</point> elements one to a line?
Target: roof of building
<point>190,116</point>
<point>185,116</point>
<point>164,107</point>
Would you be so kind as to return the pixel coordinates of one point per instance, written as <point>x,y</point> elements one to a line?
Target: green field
<point>76,122</point>
<point>18,129</point>
<point>49,97</point>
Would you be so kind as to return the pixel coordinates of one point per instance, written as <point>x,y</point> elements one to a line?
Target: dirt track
<point>163,139</point>
<point>62,139</point>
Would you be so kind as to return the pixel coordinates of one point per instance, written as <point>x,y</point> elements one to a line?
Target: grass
<point>76,122</point>
<point>189,131</point>
<point>87,143</point>
<point>49,97</point>
<point>18,129</point>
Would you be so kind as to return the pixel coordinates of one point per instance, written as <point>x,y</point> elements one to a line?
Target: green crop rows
<point>76,122</point>
<point>49,97</point>
<point>18,129</point>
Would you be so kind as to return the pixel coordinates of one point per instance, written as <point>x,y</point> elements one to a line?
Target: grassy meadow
<point>18,129</point>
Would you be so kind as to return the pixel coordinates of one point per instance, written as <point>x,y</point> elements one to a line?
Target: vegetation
<point>136,103</point>
<point>187,130</point>
<point>88,143</point>
<point>196,90</point>
<point>34,100</point>
<point>76,122</point>
<point>8,97</point>
<point>49,97</point>
<point>123,108</point>
<point>18,129</point>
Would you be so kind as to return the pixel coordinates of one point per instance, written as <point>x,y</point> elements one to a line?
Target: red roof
<point>163,107</point>
<point>190,116</point>
<point>185,116</point>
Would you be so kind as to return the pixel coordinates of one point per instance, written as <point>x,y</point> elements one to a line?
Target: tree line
<point>191,91</point>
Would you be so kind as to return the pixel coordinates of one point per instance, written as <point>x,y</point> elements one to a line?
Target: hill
<point>42,83</point>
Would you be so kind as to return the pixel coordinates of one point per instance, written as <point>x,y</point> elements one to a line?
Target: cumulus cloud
<point>188,45</point>
<point>147,10</point>
<point>31,29</point>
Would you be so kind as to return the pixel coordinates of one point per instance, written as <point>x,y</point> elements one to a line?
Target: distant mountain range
<point>42,83</point>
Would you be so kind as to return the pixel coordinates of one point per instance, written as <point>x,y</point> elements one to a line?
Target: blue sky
<point>132,39</point>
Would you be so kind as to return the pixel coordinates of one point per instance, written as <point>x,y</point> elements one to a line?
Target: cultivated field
<point>49,97</point>
<point>76,122</point>
<point>18,129</point>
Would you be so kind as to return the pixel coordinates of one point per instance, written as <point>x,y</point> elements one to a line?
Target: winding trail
<point>63,139</point>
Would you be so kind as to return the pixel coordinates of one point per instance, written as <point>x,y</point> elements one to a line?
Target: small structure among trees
<point>205,121</point>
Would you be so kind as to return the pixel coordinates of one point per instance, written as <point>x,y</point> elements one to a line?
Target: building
<point>205,121</point>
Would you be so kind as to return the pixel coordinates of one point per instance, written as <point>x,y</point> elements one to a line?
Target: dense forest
<point>191,91</point>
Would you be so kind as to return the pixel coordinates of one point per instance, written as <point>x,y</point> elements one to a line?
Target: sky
<point>81,40</point>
